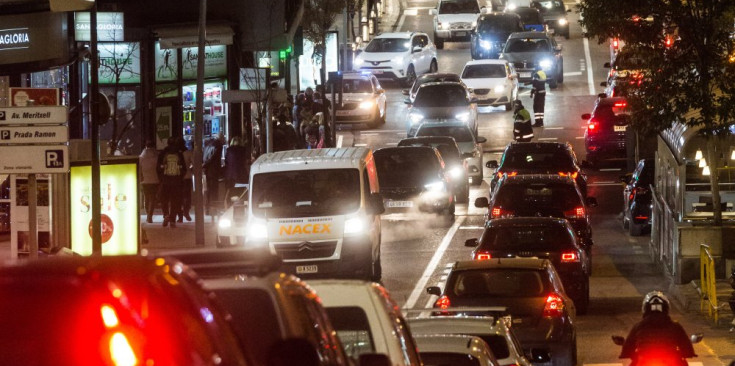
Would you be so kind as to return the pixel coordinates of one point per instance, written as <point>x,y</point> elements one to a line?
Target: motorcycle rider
<point>657,331</point>
<point>522,129</point>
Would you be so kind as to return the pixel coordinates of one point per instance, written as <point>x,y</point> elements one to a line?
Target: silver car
<point>444,102</point>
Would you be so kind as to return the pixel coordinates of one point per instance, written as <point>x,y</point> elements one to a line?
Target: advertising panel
<point>110,27</point>
<point>166,63</point>
<point>119,215</point>
<point>33,37</point>
<point>252,79</point>
<point>309,64</point>
<point>215,62</point>
<point>119,59</point>
<point>25,97</point>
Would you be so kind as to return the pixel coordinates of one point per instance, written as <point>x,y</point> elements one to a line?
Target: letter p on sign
<point>54,158</point>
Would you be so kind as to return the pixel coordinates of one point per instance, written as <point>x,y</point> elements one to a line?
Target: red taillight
<point>668,41</point>
<point>575,213</point>
<point>641,217</point>
<point>121,352</point>
<point>569,257</point>
<point>554,306</point>
<point>615,43</point>
<point>442,303</point>
<point>620,104</point>
<point>499,212</point>
<point>483,256</point>
<point>510,174</point>
<point>592,125</point>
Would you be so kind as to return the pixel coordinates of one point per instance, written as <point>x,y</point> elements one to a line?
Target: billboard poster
<point>310,63</point>
<point>119,215</point>
<point>166,63</point>
<point>215,62</point>
<point>119,60</point>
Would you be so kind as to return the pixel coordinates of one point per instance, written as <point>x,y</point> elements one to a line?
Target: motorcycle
<point>657,357</point>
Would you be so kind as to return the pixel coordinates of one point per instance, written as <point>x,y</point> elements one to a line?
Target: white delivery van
<point>319,210</point>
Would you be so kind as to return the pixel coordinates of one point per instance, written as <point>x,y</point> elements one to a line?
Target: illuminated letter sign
<point>14,38</point>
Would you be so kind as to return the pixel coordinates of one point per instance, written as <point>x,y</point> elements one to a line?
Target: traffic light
<point>282,54</point>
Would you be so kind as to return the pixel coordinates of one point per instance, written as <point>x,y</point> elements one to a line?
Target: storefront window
<point>125,123</point>
<point>56,78</point>
<point>215,113</point>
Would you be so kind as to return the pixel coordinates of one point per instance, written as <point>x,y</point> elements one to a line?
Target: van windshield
<point>303,193</point>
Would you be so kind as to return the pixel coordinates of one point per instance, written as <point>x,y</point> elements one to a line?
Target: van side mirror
<point>482,202</point>
<point>373,359</point>
<point>472,243</point>
<point>375,204</point>
<point>293,351</point>
<point>434,290</point>
<point>492,164</point>
<point>591,201</point>
<point>539,355</point>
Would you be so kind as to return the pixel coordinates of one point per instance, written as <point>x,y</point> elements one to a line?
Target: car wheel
<point>584,300</point>
<point>439,42</point>
<point>410,76</point>
<point>433,67</point>
<point>377,120</point>
<point>560,73</point>
<point>553,84</point>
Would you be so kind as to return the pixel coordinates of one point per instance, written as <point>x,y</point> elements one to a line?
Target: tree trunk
<point>713,160</point>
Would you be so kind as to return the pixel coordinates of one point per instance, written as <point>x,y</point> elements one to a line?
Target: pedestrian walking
<point>236,166</point>
<point>171,171</point>
<point>298,105</point>
<point>538,93</point>
<point>212,164</point>
<point>148,161</point>
<point>522,129</point>
<point>187,186</point>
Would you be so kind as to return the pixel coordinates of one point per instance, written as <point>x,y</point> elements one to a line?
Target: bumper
<point>491,99</point>
<point>606,149</point>
<point>354,116</point>
<point>454,34</point>
<point>384,73</point>
<point>405,208</point>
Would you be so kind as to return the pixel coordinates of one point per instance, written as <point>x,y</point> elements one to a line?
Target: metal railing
<point>708,293</point>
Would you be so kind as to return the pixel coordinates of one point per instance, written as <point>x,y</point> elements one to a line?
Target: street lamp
<point>698,155</point>
<point>702,163</point>
<point>705,170</point>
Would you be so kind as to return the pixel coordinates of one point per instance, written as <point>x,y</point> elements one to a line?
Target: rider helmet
<point>655,301</point>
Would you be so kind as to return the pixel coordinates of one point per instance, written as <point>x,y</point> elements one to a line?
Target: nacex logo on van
<point>286,230</point>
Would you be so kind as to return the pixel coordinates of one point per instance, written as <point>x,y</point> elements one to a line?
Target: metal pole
<point>199,130</point>
<point>94,123</point>
<point>334,115</point>
<point>32,217</point>
<point>268,117</point>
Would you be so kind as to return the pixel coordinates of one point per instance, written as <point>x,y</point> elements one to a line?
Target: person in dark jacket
<point>522,130</point>
<point>236,166</point>
<point>212,164</point>
<point>171,170</point>
<point>538,93</point>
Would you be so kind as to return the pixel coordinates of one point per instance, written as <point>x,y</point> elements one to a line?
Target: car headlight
<point>512,6</point>
<point>455,172</point>
<point>354,225</point>
<point>415,118</point>
<point>368,104</point>
<point>464,116</point>
<point>445,26</point>
<point>499,88</point>
<point>545,64</point>
<point>474,24</point>
<point>486,45</point>
<point>257,229</point>
<point>224,223</point>
<point>434,187</point>
<point>358,61</point>
<point>397,60</point>
<point>563,21</point>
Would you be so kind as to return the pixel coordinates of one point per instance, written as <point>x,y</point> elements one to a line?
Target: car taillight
<point>510,174</point>
<point>121,352</point>
<point>483,256</point>
<point>442,303</point>
<point>641,217</point>
<point>575,213</point>
<point>569,257</point>
<point>593,125</point>
<point>554,306</point>
<point>499,212</point>
<point>569,174</point>
<point>615,43</point>
<point>109,316</point>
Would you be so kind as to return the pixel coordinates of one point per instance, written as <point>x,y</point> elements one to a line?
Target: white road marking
<point>339,140</point>
<point>610,170</point>
<point>553,128</point>
<point>471,228</point>
<point>579,137</point>
<point>448,265</point>
<point>588,58</point>
<point>411,12</point>
<point>573,73</point>
<point>360,145</point>
<point>547,139</point>
<point>582,64</point>
<point>368,133</point>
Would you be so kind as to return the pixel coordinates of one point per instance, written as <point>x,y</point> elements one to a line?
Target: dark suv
<point>555,15</point>
<point>540,195</point>
<point>488,38</point>
<point>454,163</point>
<point>539,158</point>
<point>604,138</point>
<point>541,237</point>
<point>637,198</point>
<point>413,182</point>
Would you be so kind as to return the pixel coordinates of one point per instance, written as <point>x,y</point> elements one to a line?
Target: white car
<point>455,349</point>
<point>454,20</point>
<point>492,82</point>
<point>398,56</point>
<point>367,320</point>
<point>363,100</point>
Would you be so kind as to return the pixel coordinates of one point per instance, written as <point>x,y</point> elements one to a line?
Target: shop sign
<point>119,60</point>
<point>23,97</point>
<point>119,215</point>
<point>166,63</point>
<point>110,27</point>
<point>34,159</point>
<point>252,79</point>
<point>14,39</point>
<point>33,115</point>
<point>33,134</point>
<point>33,37</point>
<point>270,60</point>
<point>215,62</point>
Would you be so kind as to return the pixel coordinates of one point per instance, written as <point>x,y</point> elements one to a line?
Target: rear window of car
<point>550,199</point>
<point>441,96</point>
<point>609,114</point>
<point>353,329</point>
<point>531,238</point>
<point>402,167</point>
<point>502,282</point>
<point>460,133</point>
<point>498,24</point>
<point>556,159</point>
<point>448,358</point>
<point>497,344</point>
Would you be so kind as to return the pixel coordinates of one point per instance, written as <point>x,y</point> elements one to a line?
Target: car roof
<point>442,124</point>
<point>389,150</point>
<point>532,35</point>
<point>63,266</point>
<point>429,139</point>
<point>405,35</point>
<point>538,146</point>
<point>486,62</point>
<point>537,178</point>
<point>439,75</point>
<point>525,221</point>
<point>440,83</point>
<point>502,263</point>
<point>497,14</point>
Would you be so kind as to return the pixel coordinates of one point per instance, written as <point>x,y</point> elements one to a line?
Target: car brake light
<point>592,125</point>
<point>121,352</point>
<point>442,303</point>
<point>575,213</point>
<point>615,43</point>
<point>554,306</point>
<point>641,217</point>
<point>569,257</point>
<point>499,212</point>
<point>620,104</point>
<point>483,256</point>
<point>109,317</point>
<point>510,174</point>
<point>568,174</point>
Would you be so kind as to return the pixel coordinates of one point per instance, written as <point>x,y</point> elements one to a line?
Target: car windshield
<point>628,61</point>
<point>448,358</point>
<point>527,45</point>
<point>499,24</point>
<point>460,133</point>
<point>449,153</point>
<point>302,193</point>
<point>556,160</point>
<point>532,199</point>
<point>502,282</point>
<point>353,329</point>
<point>433,79</point>
<point>459,7</point>
<point>441,96</point>
<point>357,86</point>
<point>406,167</point>
<point>530,238</point>
<point>484,71</point>
<point>388,45</point>
<point>550,6</point>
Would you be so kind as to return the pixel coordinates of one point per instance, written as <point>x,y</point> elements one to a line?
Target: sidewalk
<point>181,237</point>
<point>687,298</point>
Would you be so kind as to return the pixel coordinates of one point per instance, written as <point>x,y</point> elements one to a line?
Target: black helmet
<point>518,103</point>
<point>655,301</point>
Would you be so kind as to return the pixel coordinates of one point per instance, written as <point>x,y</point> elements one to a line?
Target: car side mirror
<point>417,49</point>
<point>539,355</point>
<point>405,91</point>
<point>433,12</point>
<point>603,84</point>
<point>434,290</point>
<point>373,359</point>
<point>606,65</point>
<point>472,243</point>
<point>482,202</point>
<point>591,201</point>
<point>696,338</point>
<point>492,164</point>
<point>407,101</point>
<point>586,116</point>
<point>481,140</point>
<point>618,340</point>
<point>293,351</point>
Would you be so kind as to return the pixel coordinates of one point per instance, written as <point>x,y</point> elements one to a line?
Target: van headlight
<point>415,118</point>
<point>545,64</point>
<point>434,187</point>
<point>354,225</point>
<point>257,229</point>
<point>455,172</point>
<point>367,104</point>
<point>444,26</point>
<point>224,223</point>
<point>499,88</point>
<point>463,117</point>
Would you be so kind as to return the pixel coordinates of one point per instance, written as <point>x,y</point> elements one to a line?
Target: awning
<point>187,35</point>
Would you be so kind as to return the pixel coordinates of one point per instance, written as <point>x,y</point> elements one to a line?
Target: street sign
<point>16,159</point>
<point>33,115</point>
<point>34,134</point>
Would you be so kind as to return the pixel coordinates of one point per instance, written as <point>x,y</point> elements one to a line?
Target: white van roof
<point>332,158</point>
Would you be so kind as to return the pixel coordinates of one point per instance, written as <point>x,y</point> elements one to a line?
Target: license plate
<point>307,269</point>
<point>524,74</point>
<point>620,128</point>
<point>376,72</point>
<point>343,113</point>
<point>461,34</point>
<point>399,204</point>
